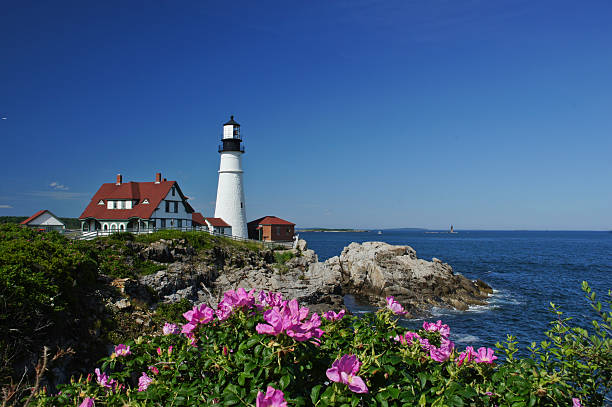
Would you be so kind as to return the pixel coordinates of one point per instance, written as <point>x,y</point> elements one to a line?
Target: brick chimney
<point>158,178</point>
<point>119,179</point>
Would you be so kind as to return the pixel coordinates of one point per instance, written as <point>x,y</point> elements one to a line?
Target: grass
<point>197,240</point>
<point>147,267</point>
<point>283,257</point>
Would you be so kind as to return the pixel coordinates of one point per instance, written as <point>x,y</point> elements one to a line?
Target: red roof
<point>197,217</point>
<point>153,192</point>
<point>218,222</point>
<point>36,215</point>
<point>270,220</point>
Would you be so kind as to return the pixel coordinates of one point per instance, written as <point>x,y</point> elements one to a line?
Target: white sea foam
<point>479,309</point>
<point>504,298</point>
<point>467,338</point>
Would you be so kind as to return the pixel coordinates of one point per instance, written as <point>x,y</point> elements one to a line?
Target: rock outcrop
<point>374,270</point>
<point>370,271</point>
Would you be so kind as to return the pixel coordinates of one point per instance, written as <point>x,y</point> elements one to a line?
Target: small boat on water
<point>380,232</point>
<point>452,230</point>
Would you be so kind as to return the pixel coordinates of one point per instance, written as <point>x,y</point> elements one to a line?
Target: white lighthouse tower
<point>230,204</point>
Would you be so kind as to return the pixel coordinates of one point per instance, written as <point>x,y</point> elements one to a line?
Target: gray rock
<point>123,303</point>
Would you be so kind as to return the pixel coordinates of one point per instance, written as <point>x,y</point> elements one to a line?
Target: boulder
<point>371,271</point>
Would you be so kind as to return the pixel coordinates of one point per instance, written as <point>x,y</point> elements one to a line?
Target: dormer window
<point>101,202</point>
<point>145,201</point>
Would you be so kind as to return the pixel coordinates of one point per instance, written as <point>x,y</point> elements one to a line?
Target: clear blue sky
<point>483,114</point>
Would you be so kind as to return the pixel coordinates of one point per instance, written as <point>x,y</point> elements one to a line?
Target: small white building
<point>44,220</point>
<point>213,225</point>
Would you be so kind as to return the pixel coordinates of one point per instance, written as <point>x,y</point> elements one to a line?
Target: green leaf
<point>284,381</point>
<point>314,393</point>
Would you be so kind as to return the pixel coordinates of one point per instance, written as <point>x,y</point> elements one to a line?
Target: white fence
<point>90,235</point>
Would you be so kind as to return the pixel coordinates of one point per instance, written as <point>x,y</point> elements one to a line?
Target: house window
<point>173,191</point>
<point>167,206</point>
<point>101,202</point>
<point>163,223</point>
<point>171,223</point>
<point>121,204</point>
<point>145,201</point>
<point>175,207</point>
<point>278,230</point>
<point>179,223</point>
<point>241,205</point>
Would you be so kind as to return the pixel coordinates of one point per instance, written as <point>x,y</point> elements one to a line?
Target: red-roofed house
<point>271,229</point>
<point>214,225</point>
<point>44,220</point>
<point>137,206</point>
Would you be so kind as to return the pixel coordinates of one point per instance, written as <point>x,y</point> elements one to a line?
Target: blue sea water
<point>527,270</point>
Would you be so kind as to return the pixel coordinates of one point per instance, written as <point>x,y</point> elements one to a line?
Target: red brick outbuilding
<point>271,229</point>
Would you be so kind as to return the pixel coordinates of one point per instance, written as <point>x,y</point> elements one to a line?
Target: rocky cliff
<point>370,271</point>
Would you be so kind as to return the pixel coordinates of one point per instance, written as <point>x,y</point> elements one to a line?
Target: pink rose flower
<point>105,381</point>
<point>170,329</point>
<point>270,299</point>
<point>122,350</point>
<point>442,353</point>
<point>144,382</point>
<point>154,369</point>
<point>200,315</point>
<point>88,402</point>
<point>272,398</point>
<point>485,355</point>
<point>576,402</point>
<point>467,356</point>
<point>345,371</point>
<point>188,329</point>
<point>408,338</point>
<point>289,319</point>
<point>395,307</point>
<point>332,316</point>
<point>437,327</point>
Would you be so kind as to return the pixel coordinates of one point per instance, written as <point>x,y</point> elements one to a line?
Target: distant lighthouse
<point>230,204</point>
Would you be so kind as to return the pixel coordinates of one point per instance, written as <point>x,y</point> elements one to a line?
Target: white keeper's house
<point>139,206</point>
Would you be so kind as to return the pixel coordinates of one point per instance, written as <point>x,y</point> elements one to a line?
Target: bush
<point>250,351</point>
<point>39,276</point>
<point>283,257</point>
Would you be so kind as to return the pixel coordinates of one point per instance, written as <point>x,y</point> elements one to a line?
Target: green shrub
<point>282,257</point>
<point>233,360</point>
<point>171,312</point>
<point>40,275</point>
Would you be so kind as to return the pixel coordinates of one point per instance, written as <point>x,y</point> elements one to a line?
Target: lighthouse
<point>230,204</point>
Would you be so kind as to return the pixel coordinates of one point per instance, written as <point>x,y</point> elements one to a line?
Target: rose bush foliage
<point>265,351</point>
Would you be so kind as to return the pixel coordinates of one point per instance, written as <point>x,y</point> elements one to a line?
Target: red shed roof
<point>217,222</point>
<point>270,220</point>
<point>197,217</point>
<point>152,191</point>
<point>36,215</point>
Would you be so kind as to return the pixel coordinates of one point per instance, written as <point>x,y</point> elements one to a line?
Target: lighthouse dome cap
<point>231,122</point>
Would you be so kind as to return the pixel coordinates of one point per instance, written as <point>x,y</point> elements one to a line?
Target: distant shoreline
<point>333,230</point>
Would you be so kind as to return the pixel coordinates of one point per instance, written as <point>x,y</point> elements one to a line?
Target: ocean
<point>527,270</point>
